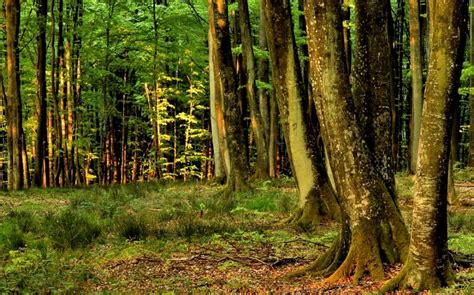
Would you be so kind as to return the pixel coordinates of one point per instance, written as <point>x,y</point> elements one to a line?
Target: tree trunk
<point>248,59</point>
<point>373,89</point>
<point>416,65</point>
<point>234,135</point>
<point>428,266</point>
<point>315,191</point>
<point>377,231</point>
<point>471,97</point>
<point>219,169</point>
<point>14,116</point>
<point>41,161</point>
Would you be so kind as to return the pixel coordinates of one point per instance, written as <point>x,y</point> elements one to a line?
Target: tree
<point>377,231</point>
<point>416,66</point>
<point>41,161</point>
<point>428,265</point>
<point>373,87</point>
<point>15,134</point>
<point>315,191</point>
<point>471,97</point>
<point>248,58</point>
<point>223,65</point>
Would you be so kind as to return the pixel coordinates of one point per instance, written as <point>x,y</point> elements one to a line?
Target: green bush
<point>24,220</point>
<point>71,229</point>
<point>133,227</point>
<point>11,237</point>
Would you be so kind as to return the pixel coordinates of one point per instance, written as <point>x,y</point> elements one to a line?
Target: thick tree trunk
<point>14,116</point>
<point>373,89</point>
<point>248,58</point>
<point>377,231</point>
<point>315,191</point>
<point>41,161</point>
<point>223,64</point>
<point>428,266</point>
<point>416,65</point>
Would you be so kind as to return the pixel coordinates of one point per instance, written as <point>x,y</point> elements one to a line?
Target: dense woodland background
<point>351,99</point>
<point>125,96</point>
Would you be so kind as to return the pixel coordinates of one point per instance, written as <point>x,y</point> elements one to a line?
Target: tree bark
<point>416,67</point>
<point>471,97</point>
<point>373,89</point>
<point>377,231</point>
<point>306,158</point>
<point>41,161</point>
<point>219,169</point>
<point>248,58</point>
<point>428,266</point>
<point>14,115</point>
<point>223,63</point>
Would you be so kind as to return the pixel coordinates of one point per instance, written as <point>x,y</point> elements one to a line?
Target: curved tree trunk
<point>377,231</point>
<point>226,78</point>
<point>300,133</point>
<point>428,266</point>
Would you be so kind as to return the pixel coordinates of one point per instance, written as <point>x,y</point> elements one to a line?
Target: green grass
<point>67,240</point>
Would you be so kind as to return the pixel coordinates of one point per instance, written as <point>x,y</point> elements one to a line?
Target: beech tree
<point>315,191</point>
<point>428,263</point>
<point>377,231</point>
<point>225,75</point>
<point>41,160</point>
<point>416,67</point>
<point>15,136</point>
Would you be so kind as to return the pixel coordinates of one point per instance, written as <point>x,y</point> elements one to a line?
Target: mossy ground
<point>176,237</point>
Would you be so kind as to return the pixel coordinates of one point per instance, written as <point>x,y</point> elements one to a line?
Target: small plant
<point>71,229</point>
<point>24,220</point>
<point>133,227</point>
<point>11,237</point>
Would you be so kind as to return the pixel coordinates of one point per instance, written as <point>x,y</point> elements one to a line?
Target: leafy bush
<point>71,229</point>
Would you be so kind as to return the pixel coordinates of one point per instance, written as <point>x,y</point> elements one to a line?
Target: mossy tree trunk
<point>225,76</point>
<point>428,266</point>
<point>373,89</point>
<point>300,132</point>
<point>377,231</point>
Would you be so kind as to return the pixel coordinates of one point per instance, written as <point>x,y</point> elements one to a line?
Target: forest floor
<point>183,237</point>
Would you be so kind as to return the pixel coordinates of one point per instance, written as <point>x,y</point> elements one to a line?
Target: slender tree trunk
<point>428,264</point>
<point>41,161</point>
<point>248,58</point>
<point>416,65</point>
<point>219,169</point>
<point>14,116</point>
<point>219,27</point>
<point>376,229</point>
<point>471,97</point>
<point>315,192</point>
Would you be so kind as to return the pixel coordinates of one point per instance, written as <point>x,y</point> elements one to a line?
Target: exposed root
<point>330,260</point>
<point>412,277</point>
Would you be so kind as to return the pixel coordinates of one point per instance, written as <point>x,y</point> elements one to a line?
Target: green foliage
<point>71,229</point>
<point>461,222</point>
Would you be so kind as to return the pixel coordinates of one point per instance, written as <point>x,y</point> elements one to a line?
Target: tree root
<point>414,278</point>
<point>330,260</point>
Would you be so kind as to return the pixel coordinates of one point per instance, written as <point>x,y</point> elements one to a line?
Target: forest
<point>237,146</point>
